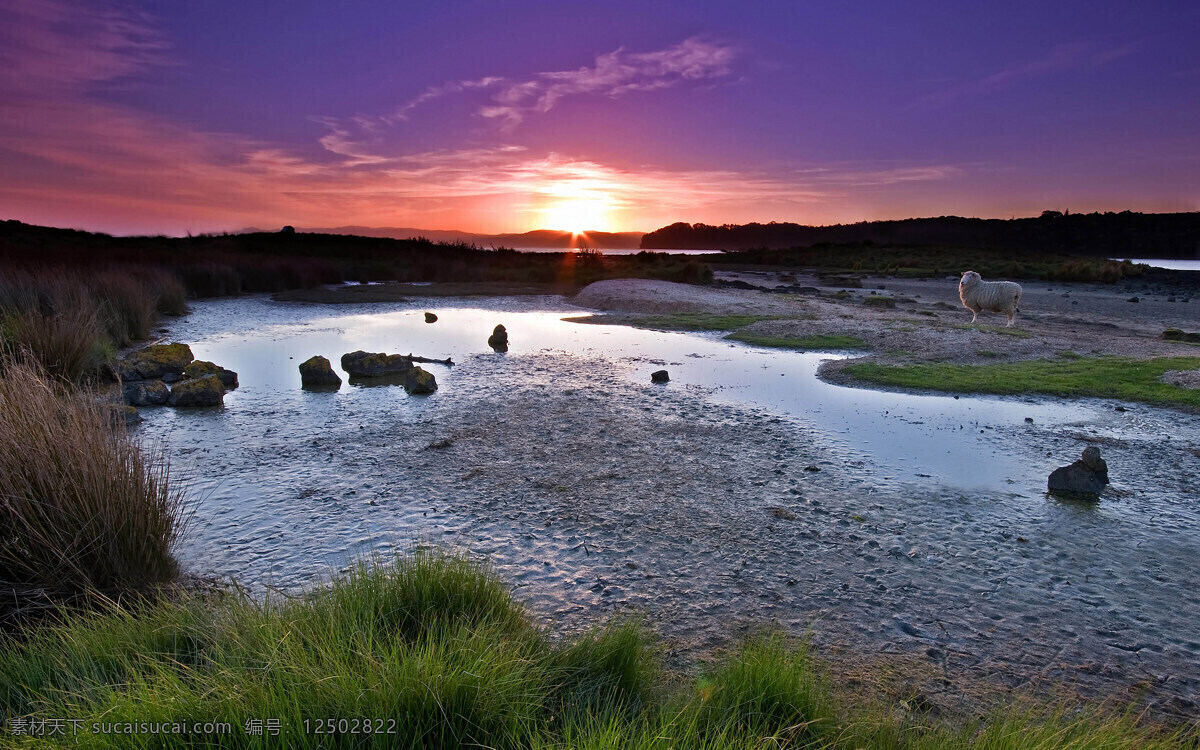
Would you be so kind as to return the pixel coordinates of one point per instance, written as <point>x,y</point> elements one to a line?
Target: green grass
<point>433,647</point>
<point>695,321</point>
<point>1102,377</point>
<point>817,341</point>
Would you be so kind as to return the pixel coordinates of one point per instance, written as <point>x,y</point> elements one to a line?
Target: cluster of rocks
<point>169,374</point>
<point>316,373</point>
<point>499,339</point>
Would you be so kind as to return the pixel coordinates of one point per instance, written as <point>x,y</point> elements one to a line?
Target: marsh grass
<point>83,511</point>
<point>434,643</point>
<point>822,342</point>
<point>1098,377</point>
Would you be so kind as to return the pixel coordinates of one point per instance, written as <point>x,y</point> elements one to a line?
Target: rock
<point>124,414</point>
<point>203,391</point>
<point>499,339</point>
<point>419,380</point>
<point>158,362</point>
<point>1174,334</point>
<point>146,393</point>
<point>200,368</point>
<point>1133,299</point>
<point>430,317</point>
<point>1082,480</point>
<point>362,364</point>
<point>316,372</point>
<point>660,376</point>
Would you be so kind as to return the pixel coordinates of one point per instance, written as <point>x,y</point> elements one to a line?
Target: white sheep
<point>996,296</point>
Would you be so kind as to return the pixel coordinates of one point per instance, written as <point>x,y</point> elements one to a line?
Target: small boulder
<point>122,414</point>
<point>430,317</point>
<point>419,381</point>
<point>316,372</point>
<point>159,362</point>
<point>1082,480</point>
<point>362,364</point>
<point>499,339</point>
<point>204,391</point>
<point>200,368</point>
<point>146,393</point>
<point>660,376</point>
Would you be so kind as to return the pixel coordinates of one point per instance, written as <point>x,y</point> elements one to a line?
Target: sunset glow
<point>163,118</point>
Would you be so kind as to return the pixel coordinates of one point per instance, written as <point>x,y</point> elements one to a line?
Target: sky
<point>171,117</point>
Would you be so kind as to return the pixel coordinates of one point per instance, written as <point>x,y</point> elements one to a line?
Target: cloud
<point>51,46</point>
<point>1061,58</point>
<point>613,74</point>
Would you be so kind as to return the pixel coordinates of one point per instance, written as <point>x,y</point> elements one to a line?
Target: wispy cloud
<point>614,74</point>
<point>50,46</point>
<point>1061,58</point>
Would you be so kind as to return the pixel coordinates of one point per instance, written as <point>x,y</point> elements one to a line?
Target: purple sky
<point>174,116</point>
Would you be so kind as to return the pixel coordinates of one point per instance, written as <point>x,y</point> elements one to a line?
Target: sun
<point>577,215</point>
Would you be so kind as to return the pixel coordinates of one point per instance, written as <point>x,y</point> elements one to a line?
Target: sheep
<point>996,296</point>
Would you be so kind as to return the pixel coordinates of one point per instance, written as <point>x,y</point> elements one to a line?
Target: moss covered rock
<point>203,391</point>
<point>146,393</point>
<point>316,372</point>
<point>419,380</point>
<point>160,361</point>
<point>200,368</point>
<point>362,364</point>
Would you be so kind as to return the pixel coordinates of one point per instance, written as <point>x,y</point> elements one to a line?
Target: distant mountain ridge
<point>539,238</point>
<point>1125,234</point>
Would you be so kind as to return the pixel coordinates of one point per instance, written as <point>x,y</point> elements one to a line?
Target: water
<point>744,491</point>
<point>1174,264</point>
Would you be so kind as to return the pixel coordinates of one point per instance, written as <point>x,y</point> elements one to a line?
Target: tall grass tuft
<point>126,306</point>
<point>53,320</point>
<point>82,509</point>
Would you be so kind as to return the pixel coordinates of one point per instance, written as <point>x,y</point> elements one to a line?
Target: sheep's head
<point>969,278</point>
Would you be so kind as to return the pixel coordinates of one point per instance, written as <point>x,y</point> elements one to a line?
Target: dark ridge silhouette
<point>1122,235</point>
<point>213,265</point>
<point>538,238</point>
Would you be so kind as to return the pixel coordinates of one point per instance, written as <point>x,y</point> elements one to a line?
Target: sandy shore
<point>928,321</point>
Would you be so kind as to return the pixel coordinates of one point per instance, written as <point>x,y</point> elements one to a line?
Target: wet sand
<point>601,496</point>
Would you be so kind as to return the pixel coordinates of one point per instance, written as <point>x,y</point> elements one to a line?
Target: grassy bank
<point>936,260</point>
<point>1102,377</point>
<point>822,342</point>
<point>434,652</point>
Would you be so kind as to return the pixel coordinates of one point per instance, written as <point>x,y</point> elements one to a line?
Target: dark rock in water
<point>1133,299</point>
<point>362,364</point>
<point>200,368</point>
<point>205,391</point>
<point>430,317</point>
<point>660,376</point>
<point>1082,480</point>
<point>419,380</point>
<point>146,393</point>
<point>499,339</point>
<point>122,414</point>
<point>316,372</point>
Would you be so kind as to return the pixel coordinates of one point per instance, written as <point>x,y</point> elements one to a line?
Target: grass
<point>1100,377</point>
<point>83,511</point>
<point>817,341</point>
<point>435,652</point>
<point>695,321</point>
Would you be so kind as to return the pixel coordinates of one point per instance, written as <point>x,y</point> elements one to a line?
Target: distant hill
<point>1124,235</point>
<point>539,238</point>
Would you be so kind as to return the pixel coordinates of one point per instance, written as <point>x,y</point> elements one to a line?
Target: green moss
<point>1102,377</point>
<point>817,341</point>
